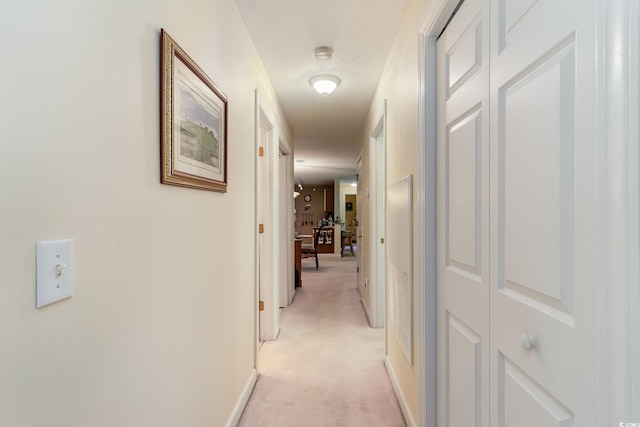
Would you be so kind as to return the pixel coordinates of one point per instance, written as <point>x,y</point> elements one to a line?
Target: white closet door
<point>463,219</point>
<point>517,215</point>
<point>543,213</point>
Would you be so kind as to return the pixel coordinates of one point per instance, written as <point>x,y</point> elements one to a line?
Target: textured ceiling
<point>285,33</point>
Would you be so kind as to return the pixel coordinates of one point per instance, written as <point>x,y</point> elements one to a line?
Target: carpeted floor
<point>326,367</point>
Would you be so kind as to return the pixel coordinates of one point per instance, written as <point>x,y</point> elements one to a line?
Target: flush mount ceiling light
<point>324,85</point>
<point>323,53</point>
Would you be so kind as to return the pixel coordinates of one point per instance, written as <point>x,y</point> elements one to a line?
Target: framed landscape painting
<point>193,123</point>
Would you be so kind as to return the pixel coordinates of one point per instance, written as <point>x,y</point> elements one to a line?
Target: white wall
<point>160,329</point>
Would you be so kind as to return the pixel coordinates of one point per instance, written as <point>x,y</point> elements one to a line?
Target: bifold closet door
<point>463,218</point>
<point>543,213</point>
<point>516,214</point>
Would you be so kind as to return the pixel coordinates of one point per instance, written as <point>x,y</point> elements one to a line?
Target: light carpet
<point>326,368</point>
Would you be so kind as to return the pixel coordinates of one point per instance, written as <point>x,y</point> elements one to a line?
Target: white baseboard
<point>236,414</point>
<point>404,407</point>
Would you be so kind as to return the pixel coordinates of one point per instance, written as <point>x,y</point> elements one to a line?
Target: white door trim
<point>358,229</point>
<point>256,235</point>
<point>435,19</point>
<point>285,197</point>
<point>378,259</point>
<point>634,159</point>
<point>267,213</point>
<point>619,298</point>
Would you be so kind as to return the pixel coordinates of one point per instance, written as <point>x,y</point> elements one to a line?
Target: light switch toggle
<point>59,268</point>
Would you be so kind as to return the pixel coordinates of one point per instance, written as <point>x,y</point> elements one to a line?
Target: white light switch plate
<point>54,271</point>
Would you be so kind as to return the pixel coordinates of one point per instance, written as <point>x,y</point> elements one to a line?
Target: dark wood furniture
<point>311,250</point>
<point>325,239</point>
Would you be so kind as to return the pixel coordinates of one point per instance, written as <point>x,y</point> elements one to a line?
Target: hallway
<point>326,367</point>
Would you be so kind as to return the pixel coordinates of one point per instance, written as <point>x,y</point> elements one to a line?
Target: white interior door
<point>517,215</point>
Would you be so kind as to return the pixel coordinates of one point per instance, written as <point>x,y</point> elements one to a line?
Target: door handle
<point>527,342</point>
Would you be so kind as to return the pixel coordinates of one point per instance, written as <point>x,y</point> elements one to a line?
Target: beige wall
<point>160,329</point>
<point>399,85</point>
<point>307,219</point>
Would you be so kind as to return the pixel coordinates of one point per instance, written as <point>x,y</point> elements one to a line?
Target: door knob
<point>527,342</point>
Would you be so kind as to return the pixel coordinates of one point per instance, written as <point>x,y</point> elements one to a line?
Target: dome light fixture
<point>324,85</point>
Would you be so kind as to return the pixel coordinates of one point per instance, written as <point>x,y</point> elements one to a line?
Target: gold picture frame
<point>193,146</point>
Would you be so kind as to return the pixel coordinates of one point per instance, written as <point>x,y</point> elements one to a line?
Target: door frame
<point>619,295</point>
<point>619,290</point>
<point>285,189</point>
<point>267,210</point>
<point>378,255</point>
<point>436,18</point>
<point>358,230</point>
<point>634,159</point>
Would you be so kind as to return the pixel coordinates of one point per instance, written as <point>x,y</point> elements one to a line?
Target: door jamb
<point>634,136</point>
<point>378,257</point>
<point>435,19</point>
<point>619,292</point>
<point>266,180</point>
<point>286,277</point>
<point>360,203</point>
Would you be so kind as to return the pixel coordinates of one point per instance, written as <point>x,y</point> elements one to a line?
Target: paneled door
<point>463,218</point>
<point>516,214</point>
<point>543,213</point>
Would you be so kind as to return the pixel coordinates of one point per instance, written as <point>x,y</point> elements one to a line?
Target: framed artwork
<point>193,147</point>
<point>348,206</point>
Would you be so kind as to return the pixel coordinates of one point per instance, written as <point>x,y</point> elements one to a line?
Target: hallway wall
<point>160,329</point>
<point>399,86</point>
